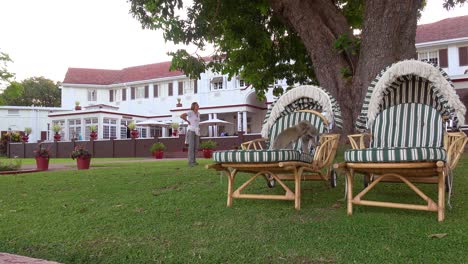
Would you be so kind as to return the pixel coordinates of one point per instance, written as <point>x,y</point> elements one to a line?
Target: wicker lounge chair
<point>300,103</point>
<point>405,108</point>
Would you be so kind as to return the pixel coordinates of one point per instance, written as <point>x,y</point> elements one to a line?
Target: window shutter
<point>195,86</point>
<point>463,56</point>
<point>443,58</point>
<point>111,95</point>
<point>124,94</point>
<point>146,91</point>
<point>132,91</point>
<point>155,90</point>
<point>181,88</point>
<point>170,89</point>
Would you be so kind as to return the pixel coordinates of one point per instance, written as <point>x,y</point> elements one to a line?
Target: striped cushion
<point>241,156</point>
<point>395,154</point>
<point>293,119</point>
<point>408,125</point>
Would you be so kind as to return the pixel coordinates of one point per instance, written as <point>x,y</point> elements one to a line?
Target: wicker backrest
<point>293,119</point>
<point>408,125</point>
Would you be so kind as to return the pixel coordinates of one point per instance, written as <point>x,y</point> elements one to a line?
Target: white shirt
<point>194,120</point>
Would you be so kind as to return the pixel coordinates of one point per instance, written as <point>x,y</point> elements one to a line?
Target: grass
<point>167,212</point>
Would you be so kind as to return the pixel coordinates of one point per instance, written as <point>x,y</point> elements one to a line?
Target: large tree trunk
<point>388,36</point>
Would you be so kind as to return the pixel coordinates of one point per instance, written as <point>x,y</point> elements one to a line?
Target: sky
<point>45,37</point>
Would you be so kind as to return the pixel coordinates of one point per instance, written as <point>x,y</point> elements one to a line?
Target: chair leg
<point>349,180</point>
<point>297,190</point>
<point>441,201</point>
<point>231,176</point>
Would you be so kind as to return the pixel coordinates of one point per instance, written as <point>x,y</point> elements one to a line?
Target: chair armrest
<point>326,151</point>
<point>255,144</point>
<point>454,143</point>
<point>358,141</point>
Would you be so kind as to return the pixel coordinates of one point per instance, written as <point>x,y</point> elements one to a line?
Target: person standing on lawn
<point>192,117</point>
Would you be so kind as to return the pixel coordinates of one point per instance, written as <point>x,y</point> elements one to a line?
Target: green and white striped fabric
<point>406,89</point>
<point>396,154</point>
<point>408,125</point>
<point>404,133</point>
<point>260,156</point>
<point>293,119</point>
<point>306,103</point>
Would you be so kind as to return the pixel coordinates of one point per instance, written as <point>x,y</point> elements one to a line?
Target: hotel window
<point>62,124</point>
<point>13,112</point>
<point>195,86</point>
<point>92,95</point>
<point>155,90</point>
<point>142,132</point>
<point>109,128</point>
<point>170,90</point>
<point>89,122</point>
<point>74,129</point>
<point>111,95</point>
<point>188,87</point>
<point>180,86</point>
<point>217,83</point>
<point>124,94</point>
<point>241,83</point>
<point>436,57</point>
<point>140,92</point>
<point>463,56</point>
<point>124,132</point>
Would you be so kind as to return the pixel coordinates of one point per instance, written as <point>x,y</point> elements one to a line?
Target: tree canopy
<point>5,75</point>
<point>300,41</point>
<point>37,91</point>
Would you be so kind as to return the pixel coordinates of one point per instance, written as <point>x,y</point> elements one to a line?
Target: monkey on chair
<point>303,130</point>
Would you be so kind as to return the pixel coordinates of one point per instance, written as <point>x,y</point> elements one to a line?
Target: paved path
<point>6,258</point>
<point>72,164</point>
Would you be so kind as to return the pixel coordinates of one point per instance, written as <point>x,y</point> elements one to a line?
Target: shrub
<point>56,128</point>
<point>80,152</point>
<point>157,146</point>
<point>27,130</point>
<point>92,128</point>
<point>8,137</point>
<point>10,165</point>
<point>208,144</point>
<point>42,151</point>
<point>131,126</point>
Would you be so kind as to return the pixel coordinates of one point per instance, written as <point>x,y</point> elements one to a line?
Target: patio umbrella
<point>151,123</point>
<point>215,122</point>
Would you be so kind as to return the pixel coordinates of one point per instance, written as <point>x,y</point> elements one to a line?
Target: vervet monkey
<point>303,130</point>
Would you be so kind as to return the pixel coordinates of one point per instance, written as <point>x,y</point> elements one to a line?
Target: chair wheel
<point>271,182</point>
<point>366,181</point>
<point>333,179</point>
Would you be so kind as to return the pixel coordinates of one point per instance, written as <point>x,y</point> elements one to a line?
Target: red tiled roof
<point>105,77</point>
<point>450,28</point>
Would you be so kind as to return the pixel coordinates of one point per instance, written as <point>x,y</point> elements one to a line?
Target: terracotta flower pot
<point>93,135</point>
<point>25,139</point>
<point>42,163</point>
<point>158,154</point>
<point>174,133</point>
<point>77,107</point>
<point>207,153</point>
<point>83,163</point>
<point>134,133</point>
<point>57,136</point>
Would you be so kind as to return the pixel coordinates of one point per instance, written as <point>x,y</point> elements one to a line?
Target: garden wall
<point>122,148</point>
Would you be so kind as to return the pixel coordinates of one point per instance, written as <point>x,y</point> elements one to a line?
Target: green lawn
<point>167,212</point>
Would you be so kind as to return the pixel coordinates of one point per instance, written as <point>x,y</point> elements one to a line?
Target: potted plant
<point>207,148</point>
<point>133,131</point>
<point>178,102</point>
<point>82,156</point>
<point>157,149</point>
<point>42,156</point>
<point>93,135</point>
<point>27,132</point>
<point>77,105</point>
<point>175,128</point>
<point>57,128</point>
